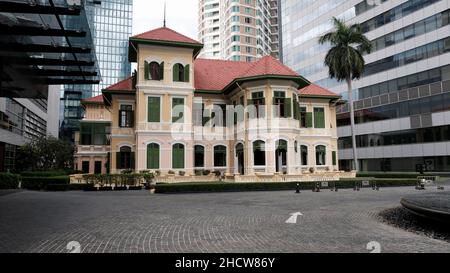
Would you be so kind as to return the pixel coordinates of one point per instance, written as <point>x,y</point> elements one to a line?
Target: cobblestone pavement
<point>126,222</point>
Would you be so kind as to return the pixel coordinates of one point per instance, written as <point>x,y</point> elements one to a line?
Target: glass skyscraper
<point>402,101</point>
<point>111,27</point>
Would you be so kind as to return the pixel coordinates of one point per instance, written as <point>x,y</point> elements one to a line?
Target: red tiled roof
<point>268,65</point>
<point>97,99</point>
<point>315,90</point>
<point>165,34</point>
<point>215,75</point>
<point>125,85</point>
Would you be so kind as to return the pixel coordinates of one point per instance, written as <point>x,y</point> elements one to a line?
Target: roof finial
<point>164,14</point>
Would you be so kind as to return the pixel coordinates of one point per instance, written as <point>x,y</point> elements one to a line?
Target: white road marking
<point>293,218</point>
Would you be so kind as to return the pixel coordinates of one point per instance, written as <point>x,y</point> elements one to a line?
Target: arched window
<point>220,156</point>
<point>240,158</point>
<point>281,154</point>
<point>321,155</point>
<point>304,155</point>
<point>125,158</point>
<point>154,71</point>
<point>259,153</point>
<point>180,73</point>
<point>199,156</point>
<point>178,156</point>
<point>153,156</point>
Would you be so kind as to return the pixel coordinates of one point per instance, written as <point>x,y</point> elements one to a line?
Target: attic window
<point>180,73</point>
<point>154,71</point>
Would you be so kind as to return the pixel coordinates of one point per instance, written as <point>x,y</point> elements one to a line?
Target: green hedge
<point>65,187</point>
<point>43,174</point>
<point>272,186</point>
<point>388,175</point>
<point>9,181</point>
<point>41,183</point>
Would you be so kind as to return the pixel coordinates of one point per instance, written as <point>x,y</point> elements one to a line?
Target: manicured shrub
<point>42,183</point>
<point>272,186</point>
<point>9,181</point>
<point>388,174</point>
<point>43,174</point>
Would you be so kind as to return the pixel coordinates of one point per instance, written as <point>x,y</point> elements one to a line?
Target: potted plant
<point>311,170</point>
<point>151,188</point>
<point>181,173</point>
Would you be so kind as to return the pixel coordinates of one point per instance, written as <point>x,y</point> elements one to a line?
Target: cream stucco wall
<point>166,134</point>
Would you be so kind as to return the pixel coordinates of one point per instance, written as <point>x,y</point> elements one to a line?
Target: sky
<point>181,16</point>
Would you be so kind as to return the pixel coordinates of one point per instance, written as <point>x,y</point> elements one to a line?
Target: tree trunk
<point>352,122</point>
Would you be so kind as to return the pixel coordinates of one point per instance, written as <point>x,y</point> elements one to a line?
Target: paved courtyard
<point>219,222</point>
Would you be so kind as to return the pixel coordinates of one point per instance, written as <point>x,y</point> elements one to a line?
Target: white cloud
<point>181,16</point>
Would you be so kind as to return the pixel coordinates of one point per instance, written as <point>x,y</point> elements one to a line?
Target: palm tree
<point>345,62</point>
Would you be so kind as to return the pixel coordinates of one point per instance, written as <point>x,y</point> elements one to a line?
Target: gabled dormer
<point>164,57</point>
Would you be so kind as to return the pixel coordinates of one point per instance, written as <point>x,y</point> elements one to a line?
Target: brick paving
<point>132,222</point>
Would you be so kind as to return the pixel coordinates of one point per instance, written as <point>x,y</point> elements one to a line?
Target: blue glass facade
<point>113,25</point>
<point>110,24</point>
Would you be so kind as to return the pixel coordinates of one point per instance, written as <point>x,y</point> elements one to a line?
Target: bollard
<point>297,190</point>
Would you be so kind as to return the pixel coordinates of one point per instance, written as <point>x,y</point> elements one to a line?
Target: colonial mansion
<point>183,117</point>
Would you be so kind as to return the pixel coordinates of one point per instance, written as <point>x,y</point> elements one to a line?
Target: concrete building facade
<point>238,30</point>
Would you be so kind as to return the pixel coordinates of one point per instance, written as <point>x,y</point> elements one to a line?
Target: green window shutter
<point>118,160</point>
<point>334,158</point>
<point>146,70</point>
<point>176,73</point>
<point>296,108</point>
<point>309,119</point>
<point>287,108</point>
<point>176,102</point>
<point>154,110</point>
<point>161,71</point>
<point>186,73</point>
<point>319,120</point>
<point>178,157</point>
<point>153,156</point>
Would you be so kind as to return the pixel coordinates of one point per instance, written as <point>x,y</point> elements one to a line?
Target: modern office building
<point>110,22</point>
<point>238,30</point>
<point>40,49</point>
<point>403,100</point>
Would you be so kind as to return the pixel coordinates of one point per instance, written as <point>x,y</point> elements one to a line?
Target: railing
<point>399,96</point>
